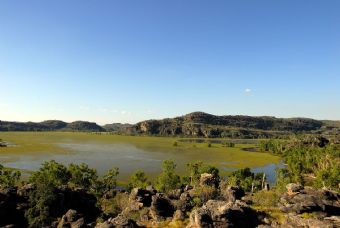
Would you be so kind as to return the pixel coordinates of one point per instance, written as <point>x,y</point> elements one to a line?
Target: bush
<point>51,173</point>
<point>168,179</point>
<point>46,179</point>
<point>265,198</point>
<point>8,177</point>
<point>110,178</point>
<point>116,205</point>
<point>246,179</point>
<point>138,180</point>
<point>204,193</point>
<point>82,176</point>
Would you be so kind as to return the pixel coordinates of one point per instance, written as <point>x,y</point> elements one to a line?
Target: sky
<point>126,61</point>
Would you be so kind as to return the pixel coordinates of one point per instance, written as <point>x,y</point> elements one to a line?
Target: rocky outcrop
<point>12,208</point>
<point>300,200</point>
<point>209,180</point>
<point>72,220</point>
<point>210,126</point>
<point>293,221</point>
<point>142,197</point>
<point>161,207</point>
<point>232,193</point>
<point>217,213</point>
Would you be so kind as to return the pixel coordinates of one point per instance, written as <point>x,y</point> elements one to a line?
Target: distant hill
<point>117,127</point>
<point>50,125</point>
<point>206,125</point>
<point>196,124</point>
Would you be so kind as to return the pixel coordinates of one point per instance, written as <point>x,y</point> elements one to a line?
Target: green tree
<point>194,171</point>
<point>41,200</point>
<point>138,180</point>
<point>8,177</point>
<point>110,178</point>
<point>82,176</point>
<point>53,173</point>
<point>168,179</point>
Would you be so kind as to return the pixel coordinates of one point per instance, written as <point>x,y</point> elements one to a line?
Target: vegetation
<point>8,177</point>
<point>249,181</point>
<point>138,180</point>
<point>168,179</point>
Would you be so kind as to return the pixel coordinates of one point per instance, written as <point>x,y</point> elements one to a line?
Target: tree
<point>168,179</point>
<point>82,176</point>
<point>8,177</point>
<point>110,178</point>
<point>138,180</point>
<point>41,200</point>
<point>194,171</point>
<point>52,172</point>
<point>246,179</point>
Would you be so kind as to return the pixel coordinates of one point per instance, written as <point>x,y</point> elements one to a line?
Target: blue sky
<point>126,61</point>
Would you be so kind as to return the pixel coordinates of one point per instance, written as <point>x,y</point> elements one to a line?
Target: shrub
<point>138,180</point>
<point>82,176</point>
<point>168,179</point>
<point>8,177</point>
<point>110,178</point>
<point>51,173</point>
<point>265,198</point>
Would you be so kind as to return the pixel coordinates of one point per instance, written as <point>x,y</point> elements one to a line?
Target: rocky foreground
<point>299,207</point>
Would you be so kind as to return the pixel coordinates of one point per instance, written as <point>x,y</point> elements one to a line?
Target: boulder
<point>141,196</point>
<point>161,208</point>
<point>232,193</point>
<point>12,208</point>
<point>178,215</point>
<point>208,179</point>
<point>293,188</point>
<point>184,203</point>
<point>311,200</point>
<point>293,221</point>
<point>71,220</point>
<point>216,213</point>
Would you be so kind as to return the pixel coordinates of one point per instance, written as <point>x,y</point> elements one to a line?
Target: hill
<point>196,124</point>
<point>50,125</point>
<point>206,125</point>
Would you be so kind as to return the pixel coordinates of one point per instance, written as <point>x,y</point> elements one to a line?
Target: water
<point>127,156</point>
<point>269,170</point>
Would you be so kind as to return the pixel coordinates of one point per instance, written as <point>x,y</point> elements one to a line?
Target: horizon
<point>125,61</point>
<point>171,117</point>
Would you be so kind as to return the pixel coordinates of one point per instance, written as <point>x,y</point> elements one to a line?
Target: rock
<point>105,224</point>
<point>216,213</point>
<point>293,188</point>
<point>123,222</point>
<point>142,196</point>
<point>12,208</point>
<point>185,202</point>
<point>179,215</point>
<point>71,219</point>
<point>311,200</point>
<point>25,190</point>
<point>208,179</point>
<point>175,194</point>
<point>233,193</point>
<point>293,221</point>
<point>77,199</point>
<point>161,208</point>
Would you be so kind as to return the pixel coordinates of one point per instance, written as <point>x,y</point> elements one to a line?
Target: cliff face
<point>206,125</point>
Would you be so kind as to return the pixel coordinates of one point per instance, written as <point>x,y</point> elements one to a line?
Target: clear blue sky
<point>125,61</point>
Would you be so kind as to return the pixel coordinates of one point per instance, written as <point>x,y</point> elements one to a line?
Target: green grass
<point>232,157</point>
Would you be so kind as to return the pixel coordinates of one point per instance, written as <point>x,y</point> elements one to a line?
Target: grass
<point>38,143</point>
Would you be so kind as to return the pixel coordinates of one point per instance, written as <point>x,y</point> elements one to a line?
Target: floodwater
<point>103,156</point>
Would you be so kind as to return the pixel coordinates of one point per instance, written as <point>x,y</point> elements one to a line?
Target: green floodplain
<point>27,150</point>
